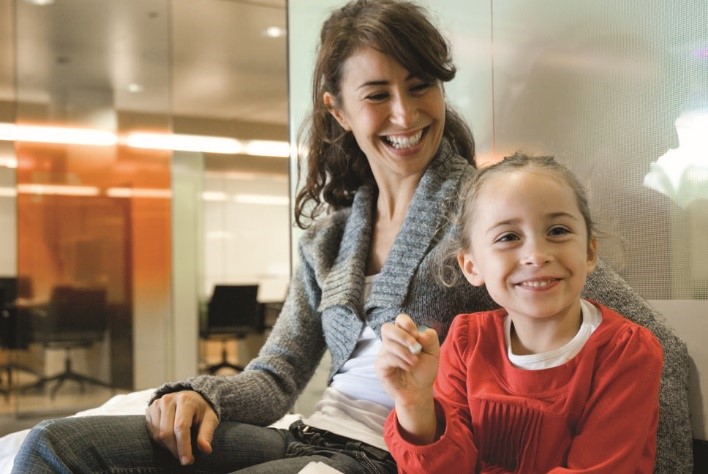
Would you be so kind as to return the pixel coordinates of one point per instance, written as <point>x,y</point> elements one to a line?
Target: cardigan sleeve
<point>283,366</point>
<point>617,430</point>
<point>455,450</point>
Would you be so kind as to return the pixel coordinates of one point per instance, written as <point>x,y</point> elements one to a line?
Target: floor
<point>20,410</point>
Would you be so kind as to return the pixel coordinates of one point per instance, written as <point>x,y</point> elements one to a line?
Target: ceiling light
<point>40,2</point>
<point>261,199</point>
<point>139,193</point>
<point>268,148</point>
<point>8,161</point>
<point>56,135</point>
<point>177,142</point>
<point>152,141</point>
<point>274,32</point>
<point>8,192</point>
<point>214,196</point>
<point>57,189</point>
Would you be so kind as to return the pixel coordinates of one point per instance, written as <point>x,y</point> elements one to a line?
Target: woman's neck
<point>391,210</point>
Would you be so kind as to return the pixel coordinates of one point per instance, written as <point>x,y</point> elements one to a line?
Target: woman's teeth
<point>399,142</point>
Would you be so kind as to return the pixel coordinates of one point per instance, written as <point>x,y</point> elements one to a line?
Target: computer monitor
<point>234,308</point>
<point>16,287</point>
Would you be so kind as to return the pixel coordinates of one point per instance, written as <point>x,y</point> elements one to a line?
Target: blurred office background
<point>153,225</point>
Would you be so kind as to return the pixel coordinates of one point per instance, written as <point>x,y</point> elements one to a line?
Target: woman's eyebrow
<point>382,82</point>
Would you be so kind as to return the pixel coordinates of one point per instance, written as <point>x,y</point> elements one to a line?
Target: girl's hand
<point>408,361</point>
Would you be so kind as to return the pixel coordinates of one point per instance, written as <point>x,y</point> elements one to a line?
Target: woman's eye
<point>421,87</point>
<point>377,97</point>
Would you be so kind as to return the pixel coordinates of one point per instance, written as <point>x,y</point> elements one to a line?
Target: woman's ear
<point>469,269</point>
<point>331,104</point>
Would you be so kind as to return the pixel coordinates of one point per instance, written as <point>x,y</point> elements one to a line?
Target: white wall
<point>8,214</point>
<point>246,235</point>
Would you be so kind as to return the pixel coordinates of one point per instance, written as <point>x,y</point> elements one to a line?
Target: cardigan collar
<point>344,284</point>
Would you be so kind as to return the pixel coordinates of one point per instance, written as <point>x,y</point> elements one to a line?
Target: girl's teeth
<point>405,142</point>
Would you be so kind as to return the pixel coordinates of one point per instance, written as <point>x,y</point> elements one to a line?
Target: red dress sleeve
<point>455,449</point>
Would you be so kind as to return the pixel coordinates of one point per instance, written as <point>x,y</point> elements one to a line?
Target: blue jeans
<point>106,444</point>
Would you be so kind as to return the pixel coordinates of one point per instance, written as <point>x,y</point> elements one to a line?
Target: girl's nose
<point>536,254</point>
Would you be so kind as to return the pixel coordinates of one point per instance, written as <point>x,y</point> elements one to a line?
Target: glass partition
<point>106,201</point>
<point>92,214</point>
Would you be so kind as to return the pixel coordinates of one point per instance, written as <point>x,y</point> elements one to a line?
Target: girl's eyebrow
<point>504,223</point>
<point>556,215</point>
<point>552,216</point>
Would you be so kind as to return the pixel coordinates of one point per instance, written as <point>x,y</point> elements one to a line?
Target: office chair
<point>76,317</point>
<point>15,326</point>
<point>233,312</point>
<point>3,330</point>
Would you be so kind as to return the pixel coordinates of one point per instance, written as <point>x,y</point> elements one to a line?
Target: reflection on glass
<point>93,216</point>
<point>682,173</point>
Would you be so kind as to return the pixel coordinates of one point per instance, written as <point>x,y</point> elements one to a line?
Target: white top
<point>545,360</point>
<point>355,404</point>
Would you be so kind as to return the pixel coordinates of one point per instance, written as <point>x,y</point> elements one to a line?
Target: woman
<point>385,154</point>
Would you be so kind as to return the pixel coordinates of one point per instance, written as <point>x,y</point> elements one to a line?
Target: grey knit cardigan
<point>323,310</point>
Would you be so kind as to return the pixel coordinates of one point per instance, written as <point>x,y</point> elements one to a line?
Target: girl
<point>548,383</point>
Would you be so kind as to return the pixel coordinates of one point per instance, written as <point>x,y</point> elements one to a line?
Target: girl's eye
<point>507,238</point>
<point>559,231</point>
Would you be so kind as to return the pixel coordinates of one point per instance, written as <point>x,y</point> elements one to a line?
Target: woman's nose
<point>403,111</point>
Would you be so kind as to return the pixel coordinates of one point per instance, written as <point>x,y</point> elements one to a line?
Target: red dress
<point>596,413</point>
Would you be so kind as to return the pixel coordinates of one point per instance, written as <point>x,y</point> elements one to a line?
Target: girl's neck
<point>536,336</point>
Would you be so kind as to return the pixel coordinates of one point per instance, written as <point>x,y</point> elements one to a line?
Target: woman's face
<point>396,118</point>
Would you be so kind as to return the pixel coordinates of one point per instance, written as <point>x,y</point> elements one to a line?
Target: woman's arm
<point>283,367</point>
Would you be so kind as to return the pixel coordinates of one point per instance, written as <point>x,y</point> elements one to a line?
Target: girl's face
<point>529,245</point>
<point>397,119</point>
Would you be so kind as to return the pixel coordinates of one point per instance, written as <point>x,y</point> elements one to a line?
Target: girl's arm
<point>406,365</point>
<point>412,442</point>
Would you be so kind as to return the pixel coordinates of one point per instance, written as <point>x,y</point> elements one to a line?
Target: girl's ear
<point>593,247</point>
<point>469,269</point>
<point>331,104</point>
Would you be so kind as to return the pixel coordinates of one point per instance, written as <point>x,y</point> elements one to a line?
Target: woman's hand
<point>170,419</point>
<point>407,365</point>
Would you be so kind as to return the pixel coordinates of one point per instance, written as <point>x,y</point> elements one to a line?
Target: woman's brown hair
<point>336,166</point>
